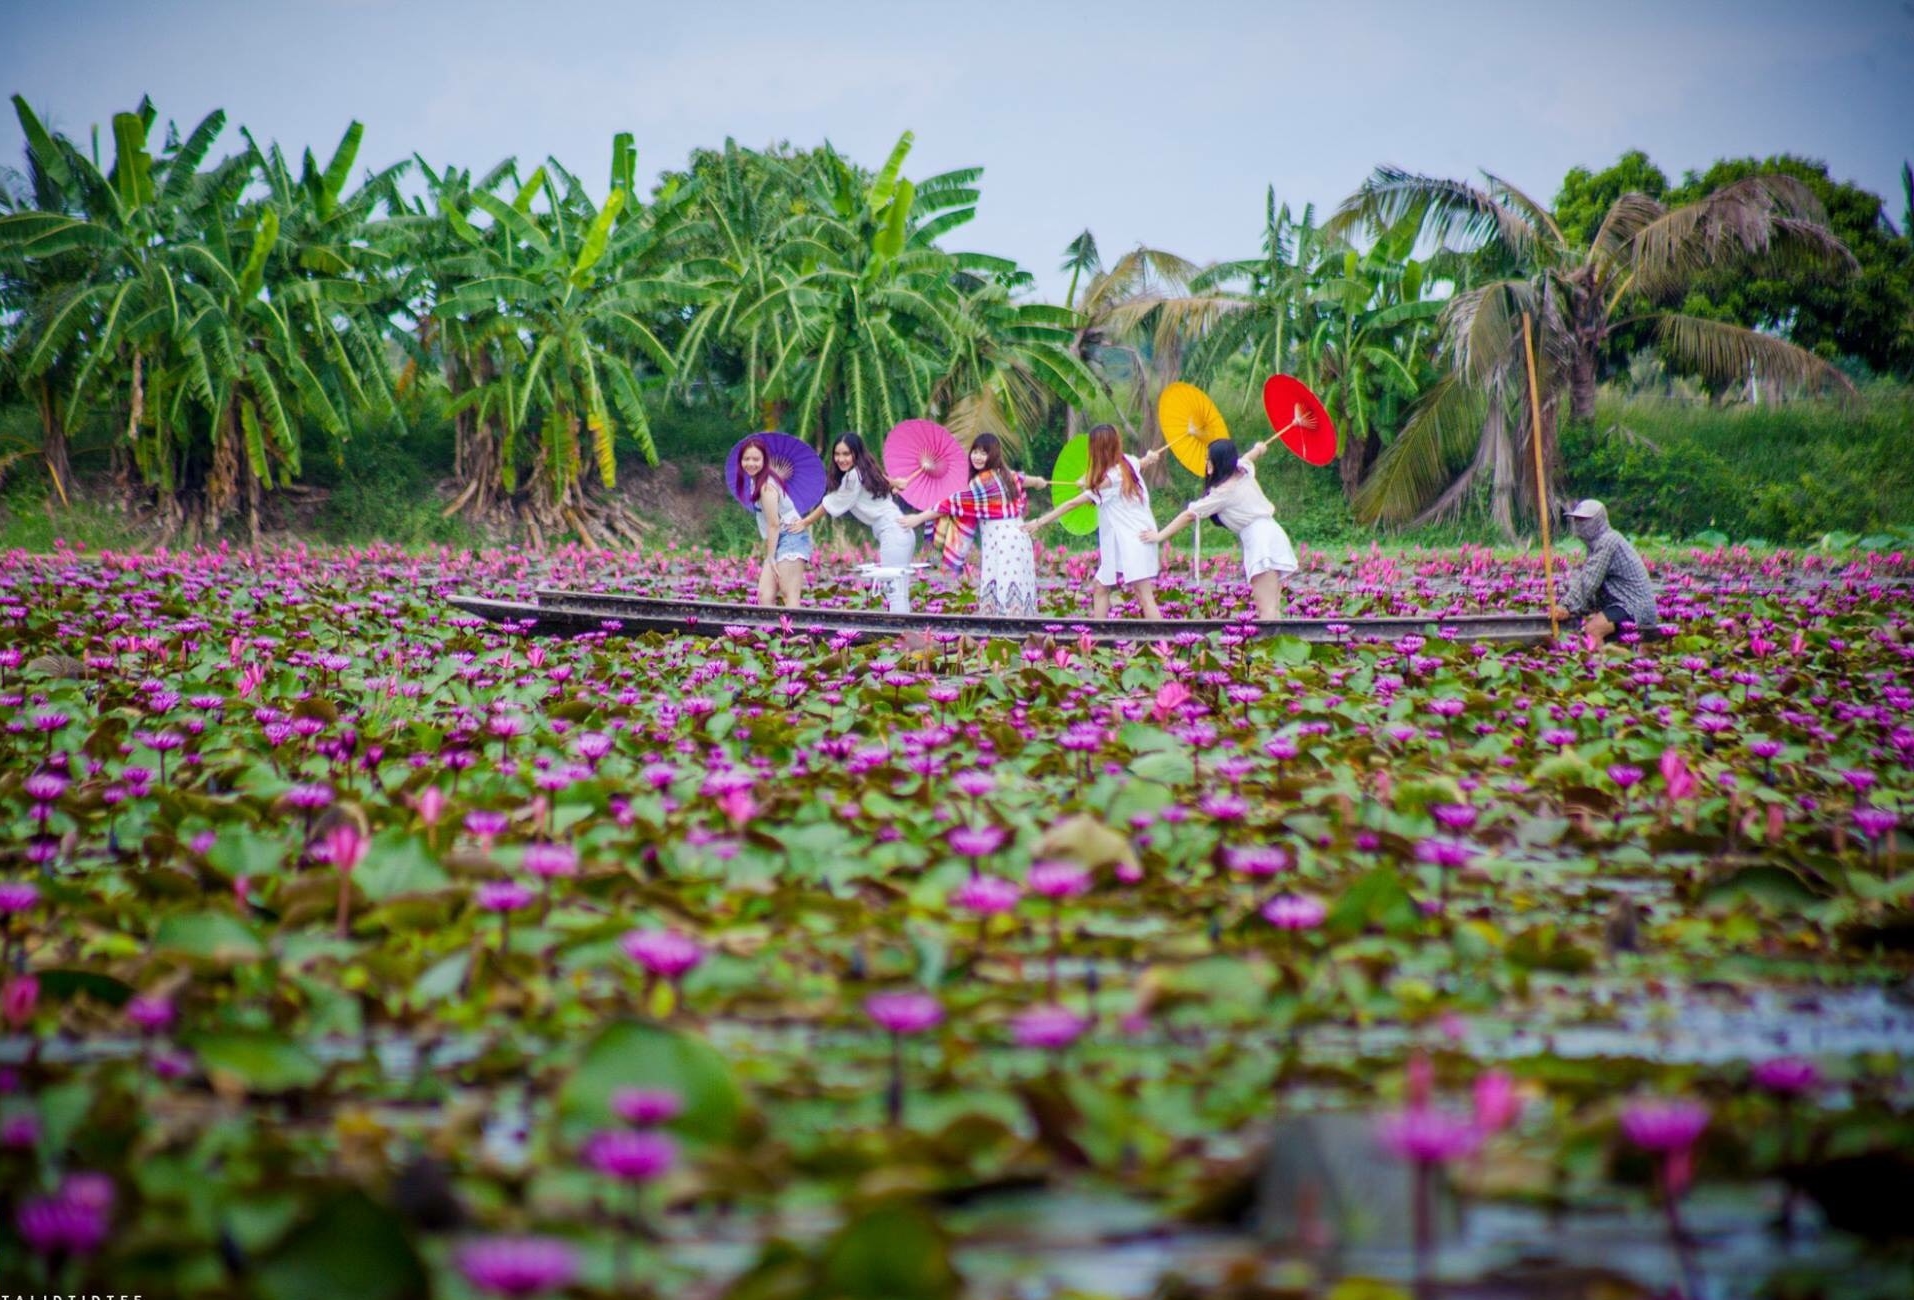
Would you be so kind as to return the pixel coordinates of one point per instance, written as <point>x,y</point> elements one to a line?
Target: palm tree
<point>1134,322</point>
<point>1640,259</point>
<point>1079,255</point>
<point>1272,295</point>
<point>1013,364</point>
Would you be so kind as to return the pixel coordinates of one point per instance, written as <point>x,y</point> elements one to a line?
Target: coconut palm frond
<point>1414,468</point>
<point>1537,222</point>
<point>1482,326</point>
<point>1724,353</point>
<point>1757,219</point>
<point>1451,213</point>
<point>1626,218</point>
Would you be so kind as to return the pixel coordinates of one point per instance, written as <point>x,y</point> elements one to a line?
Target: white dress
<point>1122,556</point>
<point>895,543</point>
<point>1240,506</point>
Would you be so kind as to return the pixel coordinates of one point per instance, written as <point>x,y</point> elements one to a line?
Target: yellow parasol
<point>1190,423</point>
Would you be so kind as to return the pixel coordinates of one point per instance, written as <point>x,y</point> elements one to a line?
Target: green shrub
<point>1788,473</point>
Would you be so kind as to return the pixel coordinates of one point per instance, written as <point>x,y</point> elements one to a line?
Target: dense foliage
<point>221,326</point>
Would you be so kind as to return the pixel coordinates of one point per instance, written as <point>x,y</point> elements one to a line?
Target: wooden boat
<point>562,612</point>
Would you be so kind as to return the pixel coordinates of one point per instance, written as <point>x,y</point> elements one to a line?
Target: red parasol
<point>791,460</point>
<point>1298,417</point>
<point>932,463</point>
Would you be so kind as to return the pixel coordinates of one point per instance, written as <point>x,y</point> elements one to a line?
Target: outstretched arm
<point>1043,521</point>
<point>1169,530</point>
<point>803,522</point>
<point>1153,457</point>
<point>1250,457</point>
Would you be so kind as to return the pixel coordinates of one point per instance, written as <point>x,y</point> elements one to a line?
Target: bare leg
<point>1099,601</point>
<point>1598,626</point>
<point>1267,590</point>
<point>791,583</point>
<point>767,582</point>
<point>1145,590</point>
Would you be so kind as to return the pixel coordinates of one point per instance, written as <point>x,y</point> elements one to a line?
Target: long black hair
<point>1223,463</point>
<point>871,474</point>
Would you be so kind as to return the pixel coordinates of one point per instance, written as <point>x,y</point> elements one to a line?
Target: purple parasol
<point>791,460</point>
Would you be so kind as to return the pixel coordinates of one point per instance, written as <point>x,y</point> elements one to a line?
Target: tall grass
<point>1785,473</point>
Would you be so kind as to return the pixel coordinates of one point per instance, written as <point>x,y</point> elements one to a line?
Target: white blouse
<point>879,513</point>
<point>1236,503</point>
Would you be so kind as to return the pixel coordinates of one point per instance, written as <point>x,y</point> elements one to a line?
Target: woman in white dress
<point>1234,498</point>
<point>861,489</point>
<point>1115,486</point>
<point>990,507</point>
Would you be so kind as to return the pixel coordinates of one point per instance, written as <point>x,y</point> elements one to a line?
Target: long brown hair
<point>757,480</point>
<point>1106,453</point>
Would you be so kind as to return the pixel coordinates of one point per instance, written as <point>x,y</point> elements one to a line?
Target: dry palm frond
<point>1724,353</point>
<point>975,413</point>
<point>1482,326</point>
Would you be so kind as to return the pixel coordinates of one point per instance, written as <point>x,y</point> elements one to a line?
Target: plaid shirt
<point>1613,575</point>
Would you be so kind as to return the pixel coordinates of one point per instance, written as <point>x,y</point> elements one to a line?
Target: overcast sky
<point>1158,123</point>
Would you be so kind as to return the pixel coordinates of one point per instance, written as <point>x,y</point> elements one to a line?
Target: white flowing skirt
<point>1007,580</point>
<point>1266,548</point>
<point>1122,556</point>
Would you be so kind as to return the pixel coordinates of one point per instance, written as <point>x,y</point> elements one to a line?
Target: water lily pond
<point>353,946</point>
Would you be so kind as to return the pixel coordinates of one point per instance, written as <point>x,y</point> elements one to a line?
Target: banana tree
<point>452,352</point>
<point>870,305</point>
<point>1370,352</point>
<point>97,264</point>
<point>582,289</point>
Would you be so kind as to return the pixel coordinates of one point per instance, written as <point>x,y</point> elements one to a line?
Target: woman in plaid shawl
<point>990,508</point>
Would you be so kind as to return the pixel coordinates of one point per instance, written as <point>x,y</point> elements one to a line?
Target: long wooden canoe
<point>562,612</point>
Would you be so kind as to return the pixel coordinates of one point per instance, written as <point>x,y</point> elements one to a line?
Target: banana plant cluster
<point>221,317</point>
<point>828,301</point>
<point>213,319</point>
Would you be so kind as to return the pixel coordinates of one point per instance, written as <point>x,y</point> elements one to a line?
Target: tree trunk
<point>53,445</point>
<point>1353,462</point>
<point>1501,467</point>
<point>222,481</point>
<point>1581,382</point>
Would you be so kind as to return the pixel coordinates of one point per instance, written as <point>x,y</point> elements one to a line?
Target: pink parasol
<point>791,460</point>
<point>933,463</point>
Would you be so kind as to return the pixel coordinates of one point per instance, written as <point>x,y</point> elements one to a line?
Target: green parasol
<point>1066,482</point>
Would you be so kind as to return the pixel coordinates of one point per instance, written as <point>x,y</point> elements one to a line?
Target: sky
<point>1158,123</point>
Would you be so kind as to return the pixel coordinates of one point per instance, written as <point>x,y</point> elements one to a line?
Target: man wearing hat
<point>1612,588</point>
